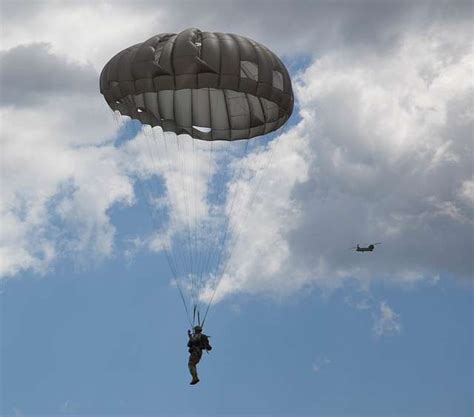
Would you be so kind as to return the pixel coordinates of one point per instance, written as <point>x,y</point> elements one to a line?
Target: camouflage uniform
<point>196,344</point>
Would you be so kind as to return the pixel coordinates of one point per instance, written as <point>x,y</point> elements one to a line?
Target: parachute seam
<point>173,46</point>
<point>210,112</point>
<point>249,116</point>
<point>227,113</point>
<point>237,43</point>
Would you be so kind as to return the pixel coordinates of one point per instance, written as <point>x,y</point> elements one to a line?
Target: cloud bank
<point>381,149</point>
<point>383,152</point>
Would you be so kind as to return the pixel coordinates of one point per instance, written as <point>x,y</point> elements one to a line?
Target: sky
<point>378,149</point>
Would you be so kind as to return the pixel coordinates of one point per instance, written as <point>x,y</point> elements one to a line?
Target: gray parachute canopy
<point>210,85</point>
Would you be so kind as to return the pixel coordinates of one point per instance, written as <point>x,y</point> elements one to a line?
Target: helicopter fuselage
<point>369,248</point>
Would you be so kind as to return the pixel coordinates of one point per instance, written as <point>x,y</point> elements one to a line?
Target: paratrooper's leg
<point>193,361</point>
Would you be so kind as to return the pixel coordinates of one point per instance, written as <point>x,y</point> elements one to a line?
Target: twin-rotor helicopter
<point>368,248</point>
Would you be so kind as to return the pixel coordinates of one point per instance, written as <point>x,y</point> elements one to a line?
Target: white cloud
<point>319,363</point>
<point>386,321</point>
<point>60,175</point>
<point>91,32</point>
<point>381,151</point>
<point>86,31</point>
<point>361,303</point>
<point>466,192</point>
<point>32,75</point>
<point>264,213</point>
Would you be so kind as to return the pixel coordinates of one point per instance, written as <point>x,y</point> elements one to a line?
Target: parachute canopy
<point>210,85</point>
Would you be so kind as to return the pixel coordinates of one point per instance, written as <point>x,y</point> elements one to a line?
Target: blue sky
<point>112,341</point>
<point>379,148</point>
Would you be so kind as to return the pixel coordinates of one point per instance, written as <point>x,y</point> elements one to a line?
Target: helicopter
<point>369,248</point>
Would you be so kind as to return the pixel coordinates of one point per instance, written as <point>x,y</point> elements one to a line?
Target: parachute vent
<point>202,129</point>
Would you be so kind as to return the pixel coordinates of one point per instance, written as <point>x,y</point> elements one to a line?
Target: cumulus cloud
<point>32,74</point>
<point>386,321</point>
<point>93,32</point>
<point>319,363</point>
<point>87,32</point>
<point>382,153</point>
<point>380,149</point>
<point>466,192</point>
<point>60,170</point>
